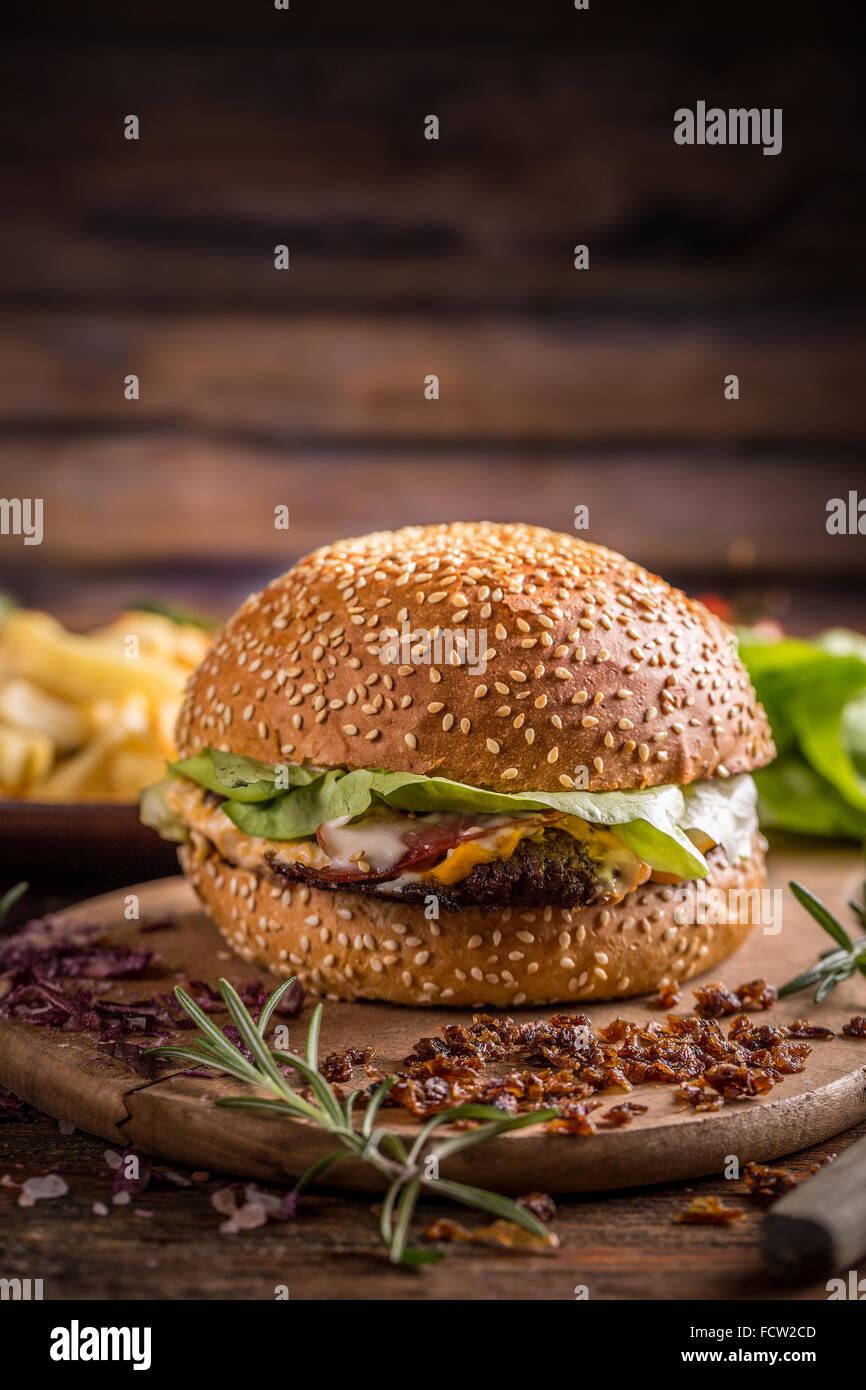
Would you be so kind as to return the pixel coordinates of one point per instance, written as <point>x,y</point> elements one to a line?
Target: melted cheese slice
<point>461,860</point>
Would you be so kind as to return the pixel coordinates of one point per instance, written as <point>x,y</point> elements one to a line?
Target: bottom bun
<point>358,946</point>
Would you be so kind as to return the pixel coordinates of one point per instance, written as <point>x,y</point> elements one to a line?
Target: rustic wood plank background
<point>558,387</point>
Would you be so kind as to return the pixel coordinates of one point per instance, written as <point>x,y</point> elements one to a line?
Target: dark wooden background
<point>305,387</point>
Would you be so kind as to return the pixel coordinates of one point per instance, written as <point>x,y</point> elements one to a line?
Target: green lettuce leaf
<point>815,697</point>
<point>793,796</point>
<point>653,821</point>
<point>242,779</point>
<point>153,810</point>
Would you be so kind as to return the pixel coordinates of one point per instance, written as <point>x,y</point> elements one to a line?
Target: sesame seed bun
<point>593,668</point>
<point>349,946</point>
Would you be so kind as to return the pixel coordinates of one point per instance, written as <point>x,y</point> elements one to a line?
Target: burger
<point>471,764</point>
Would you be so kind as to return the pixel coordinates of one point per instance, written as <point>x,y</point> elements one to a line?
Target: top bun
<point>368,654</point>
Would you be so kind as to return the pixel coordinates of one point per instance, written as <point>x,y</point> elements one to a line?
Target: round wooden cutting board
<point>170,1117</point>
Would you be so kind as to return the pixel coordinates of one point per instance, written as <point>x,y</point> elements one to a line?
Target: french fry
<point>75,667</point>
<point>28,707</point>
<point>69,781</point>
<point>25,756</point>
<point>157,636</point>
<point>166,718</point>
<point>129,769</point>
<point>87,717</point>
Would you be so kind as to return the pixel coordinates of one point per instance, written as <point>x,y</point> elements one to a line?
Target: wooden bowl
<point>43,840</point>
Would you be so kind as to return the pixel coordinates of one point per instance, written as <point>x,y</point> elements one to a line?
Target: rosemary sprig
<point>832,967</point>
<point>407,1172</point>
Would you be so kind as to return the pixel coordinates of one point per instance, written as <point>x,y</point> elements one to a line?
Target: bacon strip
<point>424,843</point>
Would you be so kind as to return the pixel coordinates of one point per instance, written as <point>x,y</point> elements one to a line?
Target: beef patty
<point>552,868</point>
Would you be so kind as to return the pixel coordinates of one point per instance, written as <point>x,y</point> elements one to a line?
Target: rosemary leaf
<point>491,1131</point>
<point>405,1212</point>
<point>320,1166</point>
<point>386,1215</point>
<point>859,910</point>
<point>298,1107</point>
<point>823,916</point>
<point>10,898</point>
<point>271,1003</point>
<point>414,1256</point>
<point>467,1111</point>
<point>376,1099</point>
<point>214,1036</point>
<point>476,1197</point>
<point>349,1105</point>
<point>253,1039</point>
<point>831,967</point>
<point>313,1038</point>
<point>240,1069</point>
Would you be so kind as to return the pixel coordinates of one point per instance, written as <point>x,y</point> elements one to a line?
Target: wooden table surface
<point>167,1244</point>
